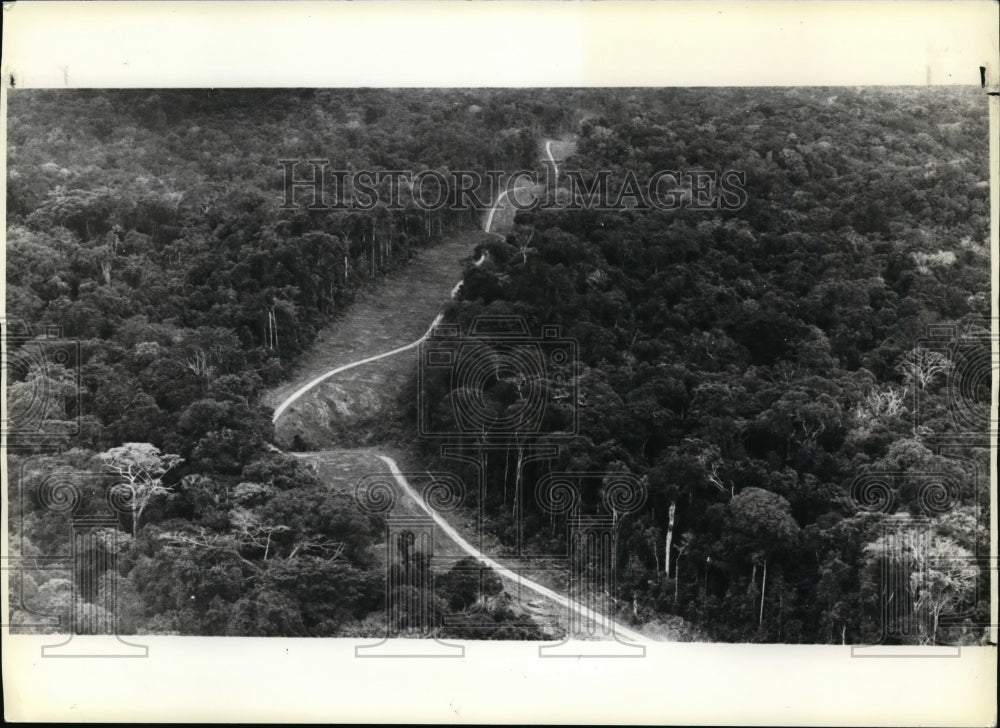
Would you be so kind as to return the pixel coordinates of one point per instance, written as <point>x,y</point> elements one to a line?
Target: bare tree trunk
<point>670,537</point>
<point>506,469</point>
<point>517,477</point>
<point>272,329</point>
<point>615,524</point>
<point>781,601</point>
<point>677,578</point>
<point>763,585</point>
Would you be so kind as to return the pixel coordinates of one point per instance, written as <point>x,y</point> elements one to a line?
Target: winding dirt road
<point>280,409</point>
<point>594,617</point>
<point>498,203</point>
<point>621,633</point>
<point>555,167</point>
<point>297,394</point>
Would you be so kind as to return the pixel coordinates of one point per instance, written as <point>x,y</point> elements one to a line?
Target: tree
<point>763,525</point>
<point>467,582</point>
<point>881,403</point>
<point>938,574</point>
<point>687,541</point>
<point>946,578</point>
<point>249,529</point>
<point>142,466</point>
<point>922,366</point>
<point>39,402</point>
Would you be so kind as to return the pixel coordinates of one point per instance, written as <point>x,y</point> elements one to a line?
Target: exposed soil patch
<point>395,312</point>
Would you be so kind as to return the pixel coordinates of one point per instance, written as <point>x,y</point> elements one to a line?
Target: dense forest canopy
<point>787,379</point>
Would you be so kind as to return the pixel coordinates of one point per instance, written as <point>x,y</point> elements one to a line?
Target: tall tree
<point>142,467</point>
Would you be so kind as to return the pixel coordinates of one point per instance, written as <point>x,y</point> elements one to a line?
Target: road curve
<point>596,617</point>
<point>458,286</point>
<point>280,409</point>
<point>555,167</point>
<point>489,219</point>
